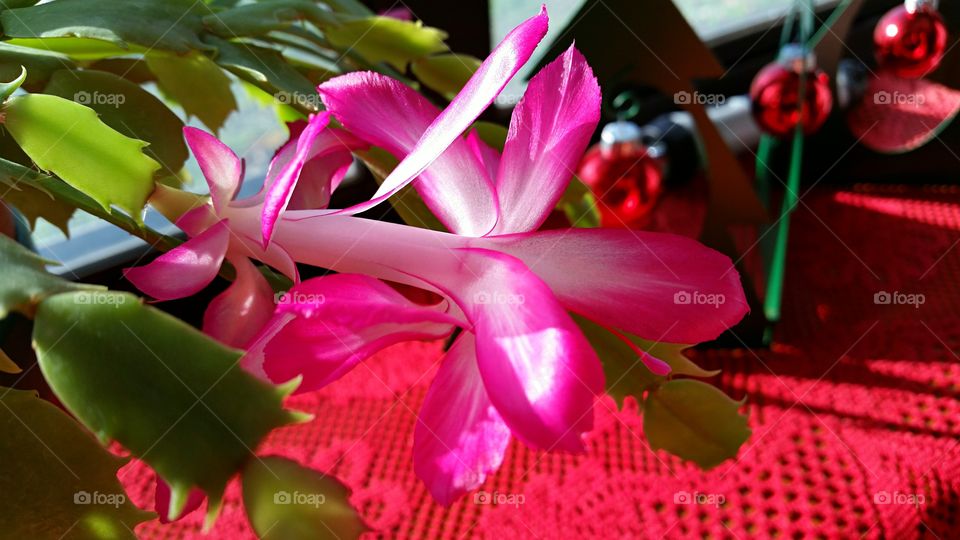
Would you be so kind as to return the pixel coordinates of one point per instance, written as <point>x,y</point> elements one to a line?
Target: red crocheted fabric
<point>899,115</point>
<point>854,413</point>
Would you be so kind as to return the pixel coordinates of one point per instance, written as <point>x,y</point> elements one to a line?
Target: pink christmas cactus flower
<point>521,366</point>
<point>303,174</point>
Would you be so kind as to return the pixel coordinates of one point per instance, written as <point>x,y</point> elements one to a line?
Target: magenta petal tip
<point>655,365</point>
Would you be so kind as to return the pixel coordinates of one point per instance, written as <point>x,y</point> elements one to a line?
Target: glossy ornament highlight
<point>911,40</point>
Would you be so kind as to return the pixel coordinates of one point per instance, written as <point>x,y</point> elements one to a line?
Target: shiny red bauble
<point>910,40</point>
<point>625,177</point>
<point>775,94</point>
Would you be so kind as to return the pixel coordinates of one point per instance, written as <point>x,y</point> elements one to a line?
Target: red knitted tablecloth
<point>854,413</point>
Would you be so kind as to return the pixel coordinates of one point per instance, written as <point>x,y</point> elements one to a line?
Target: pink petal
<point>319,179</point>
<point>162,501</point>
<point>539,370</point>
<point>237,315</point>
<point>326,162</point>
<point>341,320</point>
<point>550,130</point>
<point>274,255</point>
<point>350,244</point>
<point>460,437</point>
<point>489,157</point>
<point>198,220</point>
<point>280,188</point>
<point>252,362</point>
<point>186,269</point>
<point>221,167</point>
<point>620,278</point>
<point>636,281</point>
<point>479,92</point>
<point>654,364</point>
<point>391,115</point>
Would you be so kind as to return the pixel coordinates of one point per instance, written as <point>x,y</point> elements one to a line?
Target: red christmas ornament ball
<point>911,40</point>
<point>625,177</point>
<point>775,94</point>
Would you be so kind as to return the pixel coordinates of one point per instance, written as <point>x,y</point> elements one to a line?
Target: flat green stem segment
<point>57,481</point>
<point>70,140</point>
<point>171,25</point>
<point>171,395</point>
<point>286,501</point>
<point>128,108</point>
<point>25,282</point>
<point>385,39</point>
<point>626,374</point>
<point>695,421</point>
<point>182,76</point>
<point>17,174</point>
<point>8,88</point>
